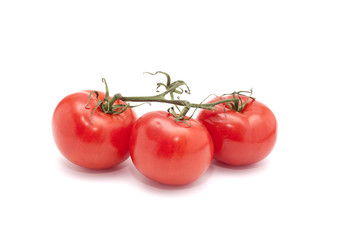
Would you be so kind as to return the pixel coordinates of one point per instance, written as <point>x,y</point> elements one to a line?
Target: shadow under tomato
<point>155,186</point>
<point>75,170</point>
<point>250,168</point>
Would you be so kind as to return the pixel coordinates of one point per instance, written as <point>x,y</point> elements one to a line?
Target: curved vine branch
<point>108,105</point>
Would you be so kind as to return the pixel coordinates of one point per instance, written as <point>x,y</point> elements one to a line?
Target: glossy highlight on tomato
<point>240,138</point>
<point>168,151</point>
<point>98,142</point>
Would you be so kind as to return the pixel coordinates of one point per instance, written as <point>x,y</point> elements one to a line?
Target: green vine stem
<point>108,105</point>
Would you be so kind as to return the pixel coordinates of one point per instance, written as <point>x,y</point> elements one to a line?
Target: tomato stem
<point>178,87</point>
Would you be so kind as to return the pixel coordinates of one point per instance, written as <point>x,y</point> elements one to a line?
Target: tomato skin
<point>240,138</point>
<point>100,145</point>
<point>170,152</point>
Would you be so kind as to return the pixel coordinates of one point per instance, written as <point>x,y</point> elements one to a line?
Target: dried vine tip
<point>167,77</point>
<point>159,85</point>
<point>97,97</point>
<point>166,74</point>
<point>177,87</point>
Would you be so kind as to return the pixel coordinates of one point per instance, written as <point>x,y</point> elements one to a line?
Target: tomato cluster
<point>161,147</point>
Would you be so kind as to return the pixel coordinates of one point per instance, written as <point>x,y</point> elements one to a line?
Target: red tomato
<point>170,152</point>
<point>240,138</point>
<point>102,144</point>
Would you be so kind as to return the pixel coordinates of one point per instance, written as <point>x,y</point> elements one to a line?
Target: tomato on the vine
<point>169,151</point>
<point>97,142</point>
<point>240,138</point>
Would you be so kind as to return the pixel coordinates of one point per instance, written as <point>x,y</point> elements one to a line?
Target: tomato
<point>240,138</point>
<point>99,144</point>
<point>168,151</point>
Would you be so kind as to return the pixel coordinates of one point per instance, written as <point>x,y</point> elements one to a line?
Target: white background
<point>301,57</point>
